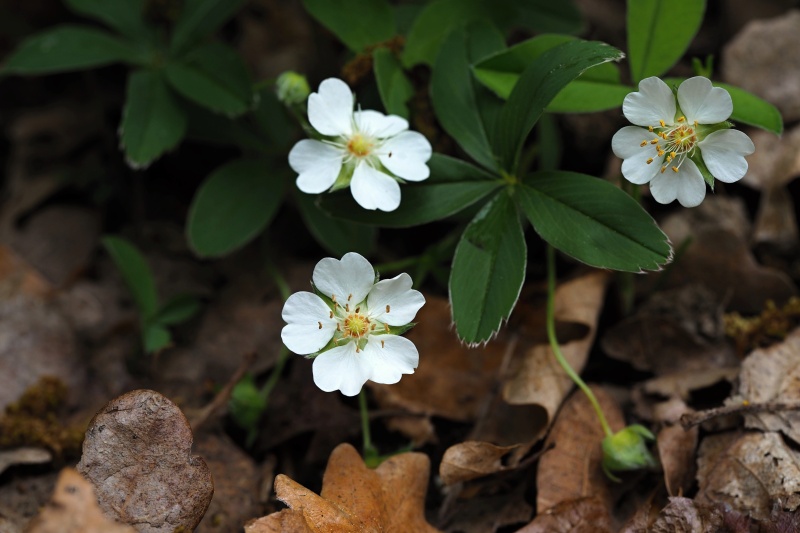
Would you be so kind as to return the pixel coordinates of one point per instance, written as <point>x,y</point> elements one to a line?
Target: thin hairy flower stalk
<point>551,335</point>
<point>369,449</point>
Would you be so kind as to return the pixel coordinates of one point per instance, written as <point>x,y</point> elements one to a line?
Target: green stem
<point>277,370</point>
<point>369,449</point>
<point>551,335</point>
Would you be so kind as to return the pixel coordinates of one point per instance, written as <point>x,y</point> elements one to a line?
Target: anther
<point>663,169</point>
<point>388,308</point>
<point>649,128</point>
<point>682,119</point>
<point>373,327</point>
<point>333,298</point>
<point>349,296</point>
<point>347,307</point>
<point>649,160</point>
<point>661,153</point>
<point>358,349</point>
<point>383,344</point>
<point>674,154</point>
<point>358,309</point>
<point>386,327</point>
<point>643,144</point>
<point>675,169</point>
<point>331,314</point>
<point>662,123</point>
<point>654,141</point>
<point>320,325</point>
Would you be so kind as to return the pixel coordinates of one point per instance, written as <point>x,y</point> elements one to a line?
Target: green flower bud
<point>292,88</point>
<point>627,450</point>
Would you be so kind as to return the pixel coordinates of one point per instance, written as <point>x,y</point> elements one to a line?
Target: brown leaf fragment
<point>776,221</point>
<point>389,499</point>
<point>584,515</point>
<point>540,380</point>
<point>488,514</point>
<point>683,515</point>
<point>286,521</point>
<point>23,456</point>
<point>571,470</point>
<point>749,472</point>
<point>773,375</point>
<point>676,447</point>
<point>73,509</point>
<point>472,459</point>
<point>137,452</point>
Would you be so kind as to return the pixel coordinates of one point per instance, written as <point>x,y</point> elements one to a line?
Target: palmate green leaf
<point>593,221</point>
<point>337,236</point>
<point>232,206</point>
<point>213,76</point>
<point>136,273</point>
<point>200,18</point>
<point>659,32</point>
<point>456,101</point>
<point>747,108</point>
<point>152,121</point>
<point>597,89</point>
<point>433,25</point>
<point>545,16</point>
<point>393,85</point>
<point>453,186</point>
<point>539,83</point>
<point>125,16</point>
<point>488,270</point>
<point>68,48</point>
<point>357,23</point>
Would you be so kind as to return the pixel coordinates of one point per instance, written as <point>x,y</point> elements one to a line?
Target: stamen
<point>358,309</point>
<point>358,349</point>
<point>649,128</point>
<point>674,154</point>
<point>386,327</point>
<point>320,325</point>
<point>383,344</point>
<point>349,296</point>
<point>649,160</point>
<point>663,169</point>
<point>654,141</point>
<point>333,298</point>
<point>347,307</point>
<point>373,327</point>
<point>661,153</point>
<point>331,314</point>
<point>675,169</point>
<point>662,123</point>
<point>643,144</point>
<point>387,308</point>
<point>682,119</point>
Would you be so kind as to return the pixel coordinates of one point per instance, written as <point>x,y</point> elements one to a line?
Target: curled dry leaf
<point>773,375</point>
<point>749,472</point>
<point>73,509</point>
<point>682,515</point>
<point>571,469</point>
<point>23,456</point>
<point>137,452</point>
<point>540,380</point>
<point>676,447</point>
<point>718,256</point>
<point>389,499</point>
<point>587,515</point>
<point>472,459</point>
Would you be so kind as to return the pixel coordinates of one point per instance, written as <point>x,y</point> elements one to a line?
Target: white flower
<point>366,149</point>
<point>672,139</point>
<point>357,321</point>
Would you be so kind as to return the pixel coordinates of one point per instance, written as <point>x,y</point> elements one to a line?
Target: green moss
<point>772,325</point>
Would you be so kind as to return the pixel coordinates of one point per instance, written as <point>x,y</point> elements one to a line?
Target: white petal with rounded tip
<point>626,144</point>
<point>405,156</point>
<point>373,189</point>
<point>653,102</point>
<point>396,294</point>
<point>376,124</point>
<point>390,360</point>
<point>341,368</point>
<point>304,313</point>
<point>351,277</point>
<point>330,109</point>
<point>702,102</point>
<point>723,153</point>
<point>687,186</point>
<point>318,165</point>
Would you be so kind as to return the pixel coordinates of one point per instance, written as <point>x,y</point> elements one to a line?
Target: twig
<point>689,420</point>
<point>222,397</point>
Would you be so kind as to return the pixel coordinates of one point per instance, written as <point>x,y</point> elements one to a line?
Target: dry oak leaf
<point>473,459</point>
<point>137,452</point>
<point>389,499</point>
<point>73,509</point>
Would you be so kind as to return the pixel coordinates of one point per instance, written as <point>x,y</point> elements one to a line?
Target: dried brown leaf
<point>286,521</point>
<point>23,456</point>
<point>676,447</point>
<point>73,509</point>
<point>487,514</point>
<point>472,459</point>
<point>584,515</point>
<point>137,452</point>
<point>749,472</point>
<point>571,469</point>
<point>683,515</point>
<point>389,499</point>
<point>773,375</point>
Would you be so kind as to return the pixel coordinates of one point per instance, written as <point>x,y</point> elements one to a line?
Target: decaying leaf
<point>749,472</point>
<point>73,509</point>
<point>681,384</point>
<point>571,469</point>
<point>683,515</point>
<point>540,380</point>
<point>137,453</point>
<point>587,515</point>
<point>23,456</point>
<point>676,447</point>
<point>773,375</point>
<point>389,499</point>
<point>472,459</point>
<point>488,513</point>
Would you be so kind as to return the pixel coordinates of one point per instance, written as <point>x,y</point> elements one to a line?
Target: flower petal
<point>687,186</point>
<point>376,124</point>
<point>348,280</point>
<point>405,156</point>
<point>373,189</point>
<point>389,357</point>
<point>652,103</point>
<point>723,153</point>
<point>318,165</point>
<point>341,368</point>
<point>398,297</point>
<point>626,144</point>
<point>702,102</point>
<point>330,109</point>
<point>309,326</point>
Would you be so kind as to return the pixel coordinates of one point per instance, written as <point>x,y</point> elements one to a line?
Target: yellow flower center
<point>672,143</point>
<point>360,146</point>
<point>356,325</point>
